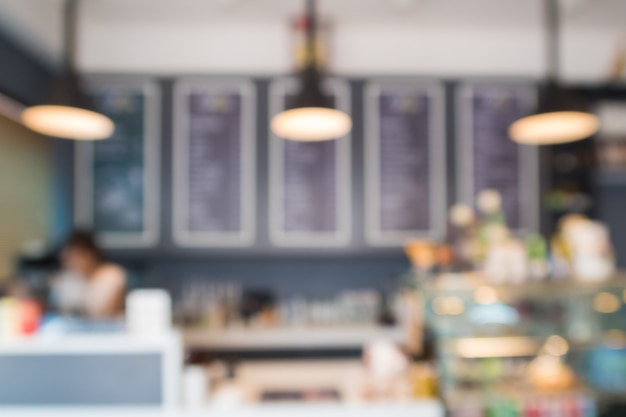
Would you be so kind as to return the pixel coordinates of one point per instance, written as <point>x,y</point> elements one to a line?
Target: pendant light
<point>311,117</point>
<point>561,116</point>
<point>68,113</point>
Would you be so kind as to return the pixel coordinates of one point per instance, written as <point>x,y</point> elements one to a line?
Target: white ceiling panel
<point>438,36</point>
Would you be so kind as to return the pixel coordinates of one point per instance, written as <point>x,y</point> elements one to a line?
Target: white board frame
<point>245,237</point>
<point>374,234</point>
<point>343,235</point>
<point>528,155</point>
<point>83,164</point>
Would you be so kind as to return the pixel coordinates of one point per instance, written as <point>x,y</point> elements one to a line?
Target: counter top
<point>290,337</point>
<point>87,343</point>
<point>426,408</point>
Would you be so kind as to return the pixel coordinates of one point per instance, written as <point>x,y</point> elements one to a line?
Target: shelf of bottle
<point>339,337</point>
<point>465,283</point>
<point>491,347</point>
<point>518,346</point>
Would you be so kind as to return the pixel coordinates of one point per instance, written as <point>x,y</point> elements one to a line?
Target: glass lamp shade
<point>68,113</point>
<point>311,124</point>
<point>67,122</point>
<point>562,117</point>
<point>312,117</point>
<point>554,128</point>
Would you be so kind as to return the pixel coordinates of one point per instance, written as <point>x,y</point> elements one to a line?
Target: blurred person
<point>88,285</point>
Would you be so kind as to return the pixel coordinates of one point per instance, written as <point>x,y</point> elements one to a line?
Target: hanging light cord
<point>310,36</point>
<point>69,33</point>
<point>552,32</point>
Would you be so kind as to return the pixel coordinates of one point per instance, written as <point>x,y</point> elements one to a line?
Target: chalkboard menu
<point>117,178</point>
<point>489,159</point>
<point>405,162</point>
<point>310,190</point>
<point>214,169</point>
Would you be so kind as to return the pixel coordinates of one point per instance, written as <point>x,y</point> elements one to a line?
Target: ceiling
<point>37,23</point>
<point>423,12</point>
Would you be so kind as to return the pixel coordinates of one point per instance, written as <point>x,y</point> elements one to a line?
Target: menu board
<point>214,167</point>
<point>489,159</point>
<point>405,162</point>
<point>310,190</point>
<point>117,178</point>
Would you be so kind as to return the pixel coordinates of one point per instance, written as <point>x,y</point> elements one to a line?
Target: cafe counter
<point>409,409</point>
<point>118,375</point>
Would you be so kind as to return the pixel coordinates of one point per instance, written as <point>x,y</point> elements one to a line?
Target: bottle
<point>461,235</point>
<point>195,386</point>
<point>9,312</point>
<point>493,231</point>
<point>536,251</point>
<point>229,394</point>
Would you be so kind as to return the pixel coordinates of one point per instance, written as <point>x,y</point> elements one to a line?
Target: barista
<point>88,285</point>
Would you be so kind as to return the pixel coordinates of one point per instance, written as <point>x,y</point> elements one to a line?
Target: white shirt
<point>96,297</point>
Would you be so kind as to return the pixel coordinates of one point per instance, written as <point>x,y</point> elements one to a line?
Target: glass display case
<point>556,347</point>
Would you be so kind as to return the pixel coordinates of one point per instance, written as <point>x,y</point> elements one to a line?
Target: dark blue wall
<point>23,77</point>
<point>286,271</point>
